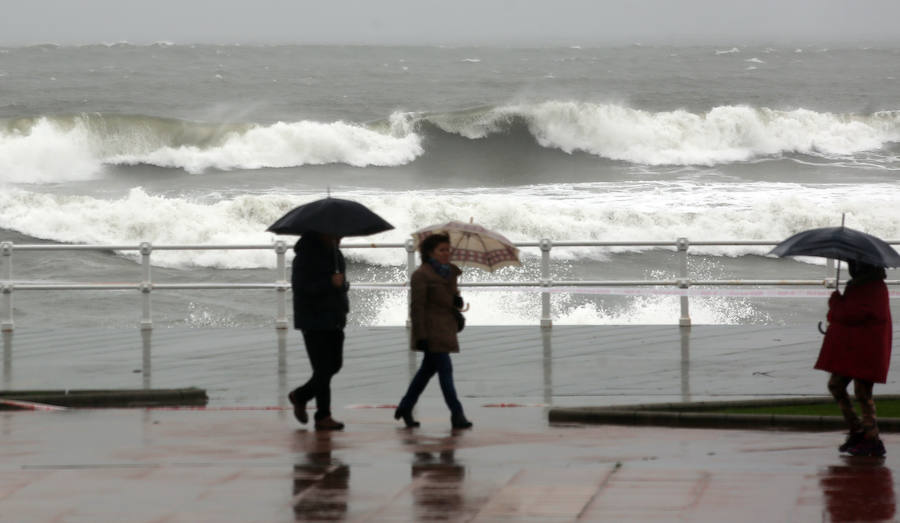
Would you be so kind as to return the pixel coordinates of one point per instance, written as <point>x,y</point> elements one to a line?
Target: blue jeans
<point>433,362</point>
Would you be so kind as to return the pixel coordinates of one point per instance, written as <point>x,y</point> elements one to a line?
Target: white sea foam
<point>728,51</point>
<point>516,308</point>
<point>71,149</point>
<point>48,153</point>
<point>78,148</point>
<point>661,211</point>
<point>723,135</point>
<point>288,144</point>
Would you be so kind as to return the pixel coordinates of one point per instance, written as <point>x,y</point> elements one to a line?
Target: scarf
<point>440,268</point>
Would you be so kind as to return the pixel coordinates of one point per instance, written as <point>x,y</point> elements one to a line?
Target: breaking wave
<point>53,149</point>
<point>725,134</point>
<point>73,148</point>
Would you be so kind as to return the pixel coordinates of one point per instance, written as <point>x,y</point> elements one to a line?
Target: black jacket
<point>318,305</point>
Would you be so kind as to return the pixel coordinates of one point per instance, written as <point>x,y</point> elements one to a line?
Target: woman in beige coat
<point>434,296</point>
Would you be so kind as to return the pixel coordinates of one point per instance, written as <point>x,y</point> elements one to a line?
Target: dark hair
<point>428,245</point>
<point>864,271</point>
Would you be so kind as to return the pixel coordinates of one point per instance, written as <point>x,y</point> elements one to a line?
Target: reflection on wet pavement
<point>320,484</point>
<point>862,489</point>
<point>241,460</point>
<point>437,486</point>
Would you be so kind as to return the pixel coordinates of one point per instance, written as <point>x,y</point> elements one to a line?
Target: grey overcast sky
<point>450,22</point>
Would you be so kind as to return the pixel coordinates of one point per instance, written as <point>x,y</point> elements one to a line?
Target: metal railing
<point>546,285</point>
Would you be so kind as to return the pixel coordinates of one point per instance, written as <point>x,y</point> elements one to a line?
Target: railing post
<point>6,250</point>
<point>830,282</point>
<point>684,282</point>
<point>410,268</point>
<point>546,320</point>
<point>281,285</point>
<point>146,286</point>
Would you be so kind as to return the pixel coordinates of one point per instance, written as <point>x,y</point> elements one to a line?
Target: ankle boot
<point>459,421</point>
<point>299,407</point>
<point>329,423</point>
<point>407,417</point>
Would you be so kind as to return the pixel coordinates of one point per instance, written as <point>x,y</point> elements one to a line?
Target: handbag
<point>457,312</point>
<point>460,320</point>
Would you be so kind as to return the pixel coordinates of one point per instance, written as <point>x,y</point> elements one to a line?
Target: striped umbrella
<point>474,246</point>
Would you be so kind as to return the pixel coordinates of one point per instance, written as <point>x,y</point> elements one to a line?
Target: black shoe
<point>299,408</point>
<point>460,422</point>
<point>407,418</point>
<point>853,438</point>
<point>329,423</point>
<point>868,447</point>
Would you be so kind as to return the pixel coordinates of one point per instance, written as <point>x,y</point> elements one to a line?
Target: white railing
<point>546,286</point>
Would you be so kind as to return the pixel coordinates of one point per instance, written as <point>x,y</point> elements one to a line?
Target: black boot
<point>299,407</point>
<point>853,438</point>
<point>407,417</point>
<point>329,423</point>
<point>459,421</point>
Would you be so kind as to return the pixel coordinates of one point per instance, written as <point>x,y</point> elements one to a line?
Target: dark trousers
<point>432,362</point>
<point>326,355</point>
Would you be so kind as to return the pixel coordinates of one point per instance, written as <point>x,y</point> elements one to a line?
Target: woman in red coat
<point>857,348</point>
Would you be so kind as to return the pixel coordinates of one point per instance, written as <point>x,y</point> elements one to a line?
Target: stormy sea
<point>118,144</point>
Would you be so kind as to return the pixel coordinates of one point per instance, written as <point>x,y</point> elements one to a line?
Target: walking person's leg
<point>316,352</point>
<point>445,375</point>
<point>416,386</point>
<point>862,389</point>
<point>331,359</point>
<point>837,386</point>
<point>325,351</point>
<point>871,444</point>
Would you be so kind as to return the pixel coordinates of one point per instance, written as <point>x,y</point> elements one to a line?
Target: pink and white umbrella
<point>474,246</point>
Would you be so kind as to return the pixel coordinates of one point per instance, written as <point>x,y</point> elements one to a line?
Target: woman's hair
<point>428,245</point>
<point>864,271</point>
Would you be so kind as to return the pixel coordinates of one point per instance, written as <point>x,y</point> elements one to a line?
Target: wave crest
<point>724,134</point>
<point>72,148</point>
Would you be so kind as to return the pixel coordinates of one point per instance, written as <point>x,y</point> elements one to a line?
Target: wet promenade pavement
<point>245,458</point>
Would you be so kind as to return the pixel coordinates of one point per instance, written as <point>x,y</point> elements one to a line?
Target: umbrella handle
<point>820,328</point>
<point>466,308</point>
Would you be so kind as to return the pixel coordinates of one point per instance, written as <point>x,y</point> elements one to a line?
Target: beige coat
<point>431,309</point>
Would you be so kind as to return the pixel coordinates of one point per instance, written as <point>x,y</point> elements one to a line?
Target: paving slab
<point>176,465</point>
<point>245,458</point>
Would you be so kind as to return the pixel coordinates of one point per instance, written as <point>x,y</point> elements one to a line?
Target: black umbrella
<point>839,243</point>
<point>332,216</point>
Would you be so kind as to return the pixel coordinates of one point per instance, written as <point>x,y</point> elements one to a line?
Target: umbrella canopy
<point>332,216</point>
<point>840,243</point>
<point>474,246</point>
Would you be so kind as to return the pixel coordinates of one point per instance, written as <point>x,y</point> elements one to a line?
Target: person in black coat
<point>320,313</point>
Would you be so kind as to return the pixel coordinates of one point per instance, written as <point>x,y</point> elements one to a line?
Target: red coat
<point>858,342</point>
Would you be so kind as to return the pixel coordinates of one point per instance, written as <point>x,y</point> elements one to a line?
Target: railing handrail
<point>8,285</point>
<point>383,245</point>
